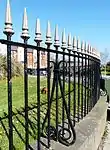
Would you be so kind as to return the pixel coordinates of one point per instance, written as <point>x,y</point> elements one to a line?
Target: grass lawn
<point>18,110</point>
<point>107,72</point>
<point>107,82</point>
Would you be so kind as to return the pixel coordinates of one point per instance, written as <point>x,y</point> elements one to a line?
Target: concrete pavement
<point>105,142</point>
<point>106,145</point>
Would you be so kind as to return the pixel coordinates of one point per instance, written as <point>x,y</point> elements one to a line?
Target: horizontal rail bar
<point>45,49</point>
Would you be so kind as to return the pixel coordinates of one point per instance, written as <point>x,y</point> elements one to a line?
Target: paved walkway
<point>105,143</point>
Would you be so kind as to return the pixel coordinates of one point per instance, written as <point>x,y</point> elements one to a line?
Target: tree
<point>108,67</point>
<point>104,58</point>
<point>108,63</point>
<point>17,68</point>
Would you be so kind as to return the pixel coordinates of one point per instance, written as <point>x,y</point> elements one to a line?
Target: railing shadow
<point>18,117</point>
<point>19,120</point>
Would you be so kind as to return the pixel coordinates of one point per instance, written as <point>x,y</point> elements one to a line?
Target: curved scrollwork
<point>66,136</point>
<point>52,132</point>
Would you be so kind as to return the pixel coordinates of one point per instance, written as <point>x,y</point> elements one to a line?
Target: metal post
<point>56,45</point>
<point>25,37</point>
<point>48,43</point>
<point>85,83</point>
<point>69,48</point>
<point>82,76</point>
<point>74,93</point>
<point>8,31</point>
<point>78,116</point>
<point>26,96</point>
<point>64,46</point>
<point>88,84</point>
<point>38,40</point>
<point>9,78</point>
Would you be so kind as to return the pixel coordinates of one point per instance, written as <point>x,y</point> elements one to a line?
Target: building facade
<point>18,56</point>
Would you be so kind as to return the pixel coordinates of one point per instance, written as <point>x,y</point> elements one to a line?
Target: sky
<point>88,19</point>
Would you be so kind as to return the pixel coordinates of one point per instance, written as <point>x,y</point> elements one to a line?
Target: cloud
<point>3,49</point>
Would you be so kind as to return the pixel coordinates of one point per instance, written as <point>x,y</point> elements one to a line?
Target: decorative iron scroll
<point>66,136</point>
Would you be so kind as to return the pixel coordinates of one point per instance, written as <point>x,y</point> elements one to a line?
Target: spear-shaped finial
<point>64,40</point>
<point>25,30</point>
<point>93,51</point>
<point>90,49</point>
<point>82,46</point>
<point>69,42</point>
<point>86,47</point>
<point>74,43</point>
<point>8,20</point>
<point>38,31</point>
<point>48,34</point>
<point>56,37</point>
<point>78,44</point>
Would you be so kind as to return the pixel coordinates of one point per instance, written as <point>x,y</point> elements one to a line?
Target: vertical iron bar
<point>92,82</point>
<point>67,113</point>
<point>48,94</point>
<point>90,91</point>
<point>98,79</point>
<point>74,106</point>
<point>69,82</point>
<point>78,105</point>
<point>9,82</point>
<point>85,84</point>
<point>26,96</point>
<point>56,77</point>
<point>64,71</point>
<point>51,98</point>
<point>88,98</point>
<point>82,89</point>
<point>38,94</point>
<point>95,81</point>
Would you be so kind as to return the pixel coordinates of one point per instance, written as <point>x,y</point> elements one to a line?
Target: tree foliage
<point>104,56</point>
<point>108,63</point>
<point>17,68</point>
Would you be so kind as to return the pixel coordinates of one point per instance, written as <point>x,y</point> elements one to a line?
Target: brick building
<point>18,56</point>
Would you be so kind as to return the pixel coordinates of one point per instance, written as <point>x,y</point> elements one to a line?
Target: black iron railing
<point>83,82</point>
<point>70,94</point>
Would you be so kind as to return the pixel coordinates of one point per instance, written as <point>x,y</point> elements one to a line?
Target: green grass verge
<point>103,72</point>
<point>107,82</point>
<point>18,110</point>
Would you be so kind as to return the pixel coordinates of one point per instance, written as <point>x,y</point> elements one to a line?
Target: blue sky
<point>88,19</point>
